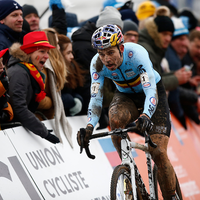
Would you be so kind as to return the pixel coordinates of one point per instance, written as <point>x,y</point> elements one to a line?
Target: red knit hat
<point>5,54</point>
<point>35,40</point>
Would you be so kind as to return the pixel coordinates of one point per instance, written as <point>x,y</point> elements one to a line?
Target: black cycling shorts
<point>161,117</point>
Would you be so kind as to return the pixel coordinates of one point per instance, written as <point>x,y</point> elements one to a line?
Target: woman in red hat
<point>6,112</point>
<point>26,79</point>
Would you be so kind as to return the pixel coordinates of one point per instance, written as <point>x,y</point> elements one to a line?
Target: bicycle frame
<point>127,159</point>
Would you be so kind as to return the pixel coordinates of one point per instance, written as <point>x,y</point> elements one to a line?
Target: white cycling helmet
<point>107,36</point>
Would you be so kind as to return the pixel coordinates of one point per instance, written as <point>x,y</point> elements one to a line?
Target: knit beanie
<point>180,28</point>
<point>188,18</point>
<point>28,9</point>
<point>129,26</point>
<point>145,10</point>
<point>109,15</point>
<point>6,7</point>
<point>163,21</point>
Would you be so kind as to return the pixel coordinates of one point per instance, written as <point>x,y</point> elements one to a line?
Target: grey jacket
<point>21,94</point>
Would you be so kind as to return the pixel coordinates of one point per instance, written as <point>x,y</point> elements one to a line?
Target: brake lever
<point>148,140</point>
<point>82,135</point>
<point>87,150</point>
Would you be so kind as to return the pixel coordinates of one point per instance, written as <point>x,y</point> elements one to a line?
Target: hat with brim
<point>35,40</point>
<point>5,54</point>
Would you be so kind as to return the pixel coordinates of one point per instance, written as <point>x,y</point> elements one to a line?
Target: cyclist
<point>140,97</point>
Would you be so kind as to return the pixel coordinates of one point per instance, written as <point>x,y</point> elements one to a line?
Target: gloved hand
<point>4,116</point>
<point>4,80</point>
<point>88,133</point>
<point>144,123</point>
<point>52,138</point>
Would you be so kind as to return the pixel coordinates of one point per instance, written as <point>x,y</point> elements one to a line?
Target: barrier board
<point>56,170</point>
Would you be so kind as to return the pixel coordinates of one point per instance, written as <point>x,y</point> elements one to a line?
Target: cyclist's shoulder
<point>137,49</point>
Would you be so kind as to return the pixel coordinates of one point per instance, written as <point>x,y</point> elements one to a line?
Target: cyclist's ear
<point>121,48</point>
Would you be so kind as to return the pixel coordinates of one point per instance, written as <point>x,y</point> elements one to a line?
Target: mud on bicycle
<point>126,182</point>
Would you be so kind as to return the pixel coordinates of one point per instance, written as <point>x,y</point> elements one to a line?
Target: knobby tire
<point>117,189</point>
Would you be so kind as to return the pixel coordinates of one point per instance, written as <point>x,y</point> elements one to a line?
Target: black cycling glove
<point>88,132</point>
<point>145,124</point>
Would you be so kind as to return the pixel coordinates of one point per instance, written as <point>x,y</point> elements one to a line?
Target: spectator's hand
<point>52,138</point>
<point>4,116</point>
<point>4,80</point>
<point>195,80</point>
<point>182,75</point>
<point>144,123</point>
<point>88,133</point>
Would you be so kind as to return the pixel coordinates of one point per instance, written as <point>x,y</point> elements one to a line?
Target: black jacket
<point>83,54</point>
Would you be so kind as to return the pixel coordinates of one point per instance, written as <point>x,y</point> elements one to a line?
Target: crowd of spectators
<point>171,37</point>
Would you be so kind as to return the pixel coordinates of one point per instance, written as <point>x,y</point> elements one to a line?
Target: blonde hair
<point>56,59</point>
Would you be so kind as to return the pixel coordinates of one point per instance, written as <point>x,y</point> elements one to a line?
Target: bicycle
<point>126,180</point>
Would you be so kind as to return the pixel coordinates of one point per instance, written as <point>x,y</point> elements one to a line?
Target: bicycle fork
<point>126,160</point>
<point>150,174</point>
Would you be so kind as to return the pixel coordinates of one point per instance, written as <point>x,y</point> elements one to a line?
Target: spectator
<point>72,100</point>
<point>26,81</point>
<point>6,112</point>
<point>55,71</point>
<point>192,58</point>
<point>156,37</point>
<point>181,100</point>
<point>30,14</point>
<point>130,31</point>
<point>11,22</point>
<point>59,22</point>
<point>110,15</point>
<point>144,10</point>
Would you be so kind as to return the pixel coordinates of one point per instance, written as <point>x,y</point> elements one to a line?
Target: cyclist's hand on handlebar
<point>144,123</point>
<point>88,132</point>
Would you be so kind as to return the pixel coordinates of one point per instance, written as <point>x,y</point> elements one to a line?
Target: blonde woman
<point>55,71</point>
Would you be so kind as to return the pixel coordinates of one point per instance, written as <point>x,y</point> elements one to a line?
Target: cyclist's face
<point>111,57</point>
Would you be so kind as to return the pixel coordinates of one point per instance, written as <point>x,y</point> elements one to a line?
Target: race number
<point>95,89</point>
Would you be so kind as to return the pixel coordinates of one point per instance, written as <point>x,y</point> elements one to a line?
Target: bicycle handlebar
<point>120,132</point>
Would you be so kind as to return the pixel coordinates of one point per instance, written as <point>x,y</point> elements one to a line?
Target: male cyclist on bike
<point>140,97</point>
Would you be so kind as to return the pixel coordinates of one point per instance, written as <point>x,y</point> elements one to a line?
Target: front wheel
<point>121,187</point>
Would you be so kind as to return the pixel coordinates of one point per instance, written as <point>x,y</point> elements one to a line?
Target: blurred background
<point>85,9</point>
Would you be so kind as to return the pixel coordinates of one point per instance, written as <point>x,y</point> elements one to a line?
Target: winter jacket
<point>8,36</point>
<point>22,95</point>
<point>150,41</point>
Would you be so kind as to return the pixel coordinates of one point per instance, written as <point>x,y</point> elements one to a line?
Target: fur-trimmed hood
<point>151,26</point>
<point>17,55</point>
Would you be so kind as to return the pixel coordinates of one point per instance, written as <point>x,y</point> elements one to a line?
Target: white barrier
<point>33,168</point>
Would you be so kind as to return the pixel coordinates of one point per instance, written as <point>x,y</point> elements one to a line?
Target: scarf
<point>37,80</point>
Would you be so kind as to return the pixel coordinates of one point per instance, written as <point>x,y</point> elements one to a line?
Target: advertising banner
<point>60,172</point>
<point>15,182</point>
